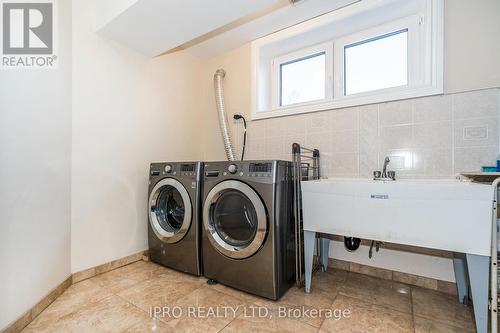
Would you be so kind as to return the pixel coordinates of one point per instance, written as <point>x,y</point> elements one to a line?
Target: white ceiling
<point>156,26</point>
<point>205,28</point>
<point>275,20</point>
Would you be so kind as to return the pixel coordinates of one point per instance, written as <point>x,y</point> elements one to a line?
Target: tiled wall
<point>429,137</point>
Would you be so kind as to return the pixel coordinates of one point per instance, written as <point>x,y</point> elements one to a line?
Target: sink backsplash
<point>429,137</point>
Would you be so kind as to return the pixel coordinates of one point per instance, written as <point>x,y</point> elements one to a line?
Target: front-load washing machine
<point>174,215</point>
<point>248,238</point>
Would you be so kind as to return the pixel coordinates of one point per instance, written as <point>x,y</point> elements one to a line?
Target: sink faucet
<point>384,174</point>
<point>384,170</point>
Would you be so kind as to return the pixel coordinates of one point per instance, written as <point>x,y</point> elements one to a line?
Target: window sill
<point>347,101</point>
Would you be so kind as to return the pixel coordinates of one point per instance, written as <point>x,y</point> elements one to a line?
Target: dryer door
<point>235,219</point>
<point>170,210</point>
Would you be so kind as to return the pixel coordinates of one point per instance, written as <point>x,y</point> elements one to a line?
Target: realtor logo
<point>28,34</point>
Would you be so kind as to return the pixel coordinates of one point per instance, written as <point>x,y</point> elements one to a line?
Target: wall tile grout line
<point>431,115</point>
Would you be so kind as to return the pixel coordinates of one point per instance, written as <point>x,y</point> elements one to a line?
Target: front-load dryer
<point>248,238</point>
<point>174,215</point>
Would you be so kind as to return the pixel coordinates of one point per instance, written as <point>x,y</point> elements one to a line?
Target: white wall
<point>128,111</point>
<point>236,86</point>
<point>35,179</point>
<point>472,50</point>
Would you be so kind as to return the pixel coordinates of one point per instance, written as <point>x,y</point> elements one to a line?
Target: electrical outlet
<point>475,132</point>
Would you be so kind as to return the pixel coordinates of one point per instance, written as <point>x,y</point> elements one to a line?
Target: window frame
<point>415,63</point>
<point>303,54</point>
<point>425,59</point>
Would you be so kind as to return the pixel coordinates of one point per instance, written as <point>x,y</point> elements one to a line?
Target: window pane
<point>377,63</point>
<point>303,80</point>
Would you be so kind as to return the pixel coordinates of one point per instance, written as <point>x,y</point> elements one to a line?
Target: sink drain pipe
<point>352,243</point>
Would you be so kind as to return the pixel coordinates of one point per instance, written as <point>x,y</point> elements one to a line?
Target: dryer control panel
<point>252,170</point>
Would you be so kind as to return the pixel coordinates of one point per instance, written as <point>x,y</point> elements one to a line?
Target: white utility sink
<point>449,215</point>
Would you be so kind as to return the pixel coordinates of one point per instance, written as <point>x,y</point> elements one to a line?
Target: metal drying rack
<point>306,167</point>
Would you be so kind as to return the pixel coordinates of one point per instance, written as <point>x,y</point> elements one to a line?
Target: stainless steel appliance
<point>248,229</point>
<point>174,215</point>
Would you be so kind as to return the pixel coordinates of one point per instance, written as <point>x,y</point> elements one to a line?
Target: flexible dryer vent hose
<point>221,110</point>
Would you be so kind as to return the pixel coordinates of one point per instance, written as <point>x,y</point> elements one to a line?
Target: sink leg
<point>309,240</point>
<point>479,267</point>
<point>325,247</point>
<point>461,278</point>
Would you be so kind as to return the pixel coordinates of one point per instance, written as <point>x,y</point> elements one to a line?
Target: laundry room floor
<point>123,300</point>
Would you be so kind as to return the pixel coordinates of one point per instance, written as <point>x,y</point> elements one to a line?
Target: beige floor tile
<point>127,276</point>
<point>161,290</point>
<point>249,323</point>
<point>179,276</point>
<point>366,317</point>
<point>320,297</point>
<point>111,314</point>
<point>81,293</point>
<point>293,299</point>
<point>297,296</point>
<point>246,297</point>
<point>121,301</point>
<point>149,325</point>
<point>424,325</point>
<point>441,307</point>
<point>298,300</point>
<point>241,295</point>
<point>75,298</point>
<point>64,327</point>
<point>206,310</point>
<point>329,281</point>
<point>377,291</point>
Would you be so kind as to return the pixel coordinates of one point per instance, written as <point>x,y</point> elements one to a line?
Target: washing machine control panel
<point>260,170</point>
<point>188,170</point>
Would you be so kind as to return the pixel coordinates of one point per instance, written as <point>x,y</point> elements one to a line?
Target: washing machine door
<point>235,219</point>
<point>170,210</point>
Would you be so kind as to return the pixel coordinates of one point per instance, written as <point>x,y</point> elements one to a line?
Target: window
<point>303,80</point>
<point>384,63</point>
<point>368,52</point>
<point>377,63</point>
<point>302,77</point>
